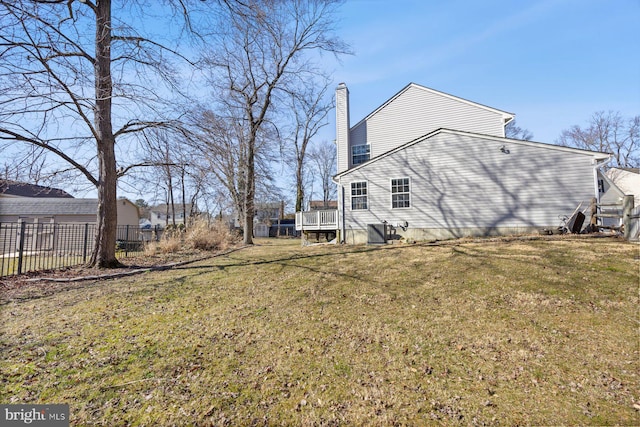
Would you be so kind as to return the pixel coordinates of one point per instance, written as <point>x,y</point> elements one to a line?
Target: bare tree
<point>610,133</point>
<point>28,166</point>
<point>72,82</point>
<point>159,156</point>
<point>262,50</point>
<point>516,132</point>
<point>323,158</point>
<point>309,110</point>
<point>218,149</point>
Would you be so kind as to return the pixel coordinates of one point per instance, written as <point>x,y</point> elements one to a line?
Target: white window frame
<point>396,193</point>
<point>365,195</point>
<point>367,154</point>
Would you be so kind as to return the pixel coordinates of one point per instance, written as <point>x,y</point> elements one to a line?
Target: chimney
<point>342,127</point>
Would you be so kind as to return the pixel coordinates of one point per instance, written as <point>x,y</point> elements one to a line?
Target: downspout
<point>344,227</point>
<point>596,169</point>
<point>341,220</point>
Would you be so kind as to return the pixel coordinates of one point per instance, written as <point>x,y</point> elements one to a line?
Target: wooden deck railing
<point>317,220</point>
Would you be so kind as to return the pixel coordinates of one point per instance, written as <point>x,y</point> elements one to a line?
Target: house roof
<point>597,155</point>
<point>22,189</point>
<point>267,205</point>
<point>507,116</point>
<point>162,207</point>
<point>48,206</point>
<point>629,170</point>
<point>627,180</point>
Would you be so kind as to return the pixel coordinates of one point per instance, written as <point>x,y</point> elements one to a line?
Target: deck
<point>317,221</point>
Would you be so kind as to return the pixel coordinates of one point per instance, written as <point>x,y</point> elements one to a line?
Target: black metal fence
<point>26,247</point>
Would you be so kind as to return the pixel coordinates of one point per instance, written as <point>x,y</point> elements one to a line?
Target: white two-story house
<point>429,165</point>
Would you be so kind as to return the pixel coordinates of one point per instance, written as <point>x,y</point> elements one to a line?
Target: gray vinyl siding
<point>418,111</point>
<point>463,181</point>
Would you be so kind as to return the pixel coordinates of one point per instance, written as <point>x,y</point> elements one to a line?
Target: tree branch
<point>8,135</point>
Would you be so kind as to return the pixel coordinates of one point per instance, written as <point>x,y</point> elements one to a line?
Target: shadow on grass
<point>292,260</point>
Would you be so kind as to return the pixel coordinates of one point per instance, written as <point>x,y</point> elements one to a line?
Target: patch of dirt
<point>42,283</point>
<point>23,287</point>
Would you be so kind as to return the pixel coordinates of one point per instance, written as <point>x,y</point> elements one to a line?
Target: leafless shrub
<point>171,241</point>
<point>205,236</point>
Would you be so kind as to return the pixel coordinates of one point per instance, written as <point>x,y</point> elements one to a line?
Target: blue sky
<point>551,62</point>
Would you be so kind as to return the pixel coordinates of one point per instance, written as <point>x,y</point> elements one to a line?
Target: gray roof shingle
<point>48,206</point>
<point>22,189</point>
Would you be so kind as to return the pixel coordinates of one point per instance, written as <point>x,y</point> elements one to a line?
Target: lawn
<point>495,332</point>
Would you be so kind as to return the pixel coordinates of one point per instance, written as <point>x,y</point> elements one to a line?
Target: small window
<point>400,193</point>
<point>359,195</point>
<point>360,154</point>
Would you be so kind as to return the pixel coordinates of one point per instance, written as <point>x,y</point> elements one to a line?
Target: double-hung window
<point>400,193</point>
<point>360,154</point>
<point>359,195</point>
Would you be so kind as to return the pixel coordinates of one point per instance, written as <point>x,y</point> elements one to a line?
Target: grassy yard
<point>541,332</point>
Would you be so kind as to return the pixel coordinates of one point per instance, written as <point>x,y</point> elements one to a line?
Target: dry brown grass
<point>464,333</point>
<point>200,235</point>
<point>165,245</point>
<point>205,236</point>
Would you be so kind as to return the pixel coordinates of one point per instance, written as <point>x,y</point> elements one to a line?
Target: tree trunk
<point>166,209</point>
<point>249,209</point>
<point>173,206</point>
<point>184,197</point>
<point>325,193</point>
<point>104,253</point>
<point>170,204</point>
<point>299,189</point>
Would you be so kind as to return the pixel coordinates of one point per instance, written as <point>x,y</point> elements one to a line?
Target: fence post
<point>84,246</point>
<point>627,208</point>
<point>23,227</point>
<point>594,212</point>
<point>126,242</point>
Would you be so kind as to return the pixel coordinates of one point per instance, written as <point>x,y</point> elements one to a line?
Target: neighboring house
<point>269,212</point>
<point>627,180</point>
<point>11,189</point>
<point>430,165</point>
<point>268,220</point>
<point>614,185</point>
<point>266,215</point>
<point>283,227</point>
<point>62,211</point>
<point>162,215</point>
<point>58,223</point>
